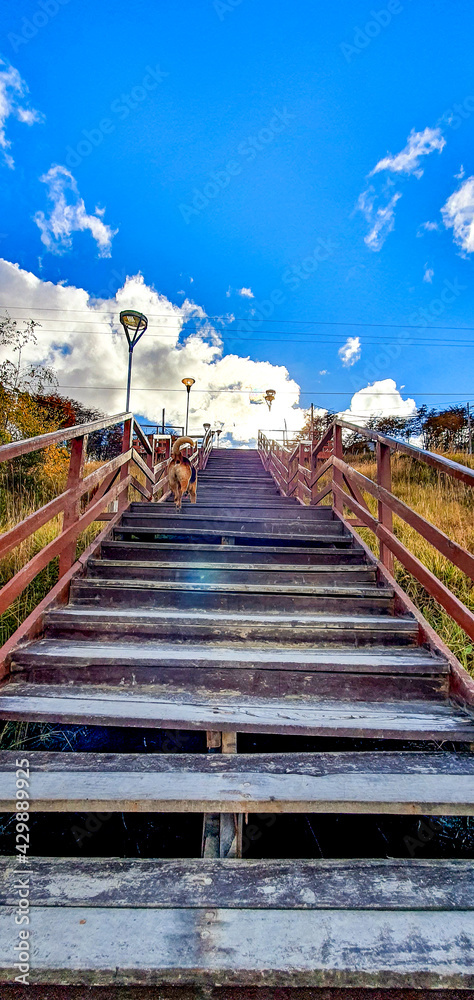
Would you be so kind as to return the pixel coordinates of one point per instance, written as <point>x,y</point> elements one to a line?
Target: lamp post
<point>218,432</point>
<point>188,382</point>
<point>134,324</point>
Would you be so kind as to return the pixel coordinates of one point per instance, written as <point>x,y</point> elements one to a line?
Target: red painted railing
<point>299,472</point>
<point>112,481</point>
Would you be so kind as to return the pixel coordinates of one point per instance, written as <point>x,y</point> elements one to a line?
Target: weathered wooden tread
<point>293,620</point>
<point>205,710</point>
<point>192,883</point>
<point>253,948</point>
<point>250,567</point>
<point>380,660</point>
<point>261,555</point>
<point>191,529</point>
<point>129,583</point>
<point>395,783</point>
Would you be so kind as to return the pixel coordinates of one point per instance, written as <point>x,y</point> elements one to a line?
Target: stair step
<point>231,596</point>
<point>156,670</point>
<point>366,782</point>
<point>379,660</point>
<point>125,923</point>
<point>372,884</point>
<point>287,510</point>
<point>261,555</point>
<point>201,710</point>
<point>75,622</point>
<point>267,884</point>
<point>184,529</point>
<point>228,573</point>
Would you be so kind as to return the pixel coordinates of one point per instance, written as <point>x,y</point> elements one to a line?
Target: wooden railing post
<point>385,517</point>
<point>336,474</point>
<point>73,510</point>
<point>125,470</point>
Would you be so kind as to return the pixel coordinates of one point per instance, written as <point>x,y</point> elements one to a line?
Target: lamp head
<point>134,324</point>
<point>206,427</point>
<point>269,397</point>
<point>188,382</point>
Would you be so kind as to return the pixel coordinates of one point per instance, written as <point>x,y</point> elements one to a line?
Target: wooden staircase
<point>246,613</point>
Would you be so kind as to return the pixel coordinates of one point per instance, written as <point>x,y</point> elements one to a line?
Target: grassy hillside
<point>447,504</point>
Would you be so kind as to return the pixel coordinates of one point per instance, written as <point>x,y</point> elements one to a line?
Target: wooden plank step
<point>206,710</point>
<point>260,555</point>
<point>154,670</point>
<point>231,596</point>
<point>377,660</point>
<point>187,626</point>
<point>261,510</point>
<point>231,884</point>
<point>397,783</point>
<point>188,529</point>
<point>211,572</point>
<point>188,949</point>
<point>289,511</point>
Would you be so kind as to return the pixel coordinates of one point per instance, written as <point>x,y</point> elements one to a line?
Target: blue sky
<point>254,146</point>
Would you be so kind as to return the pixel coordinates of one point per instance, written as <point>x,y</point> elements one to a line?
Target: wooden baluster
<point>384,478</point>
<point>72,511</point>
<point>337,475</point>
<point>300,477</point>
<point>124,472</point>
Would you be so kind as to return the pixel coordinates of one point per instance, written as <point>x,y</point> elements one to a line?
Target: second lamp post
<point>188,382</point>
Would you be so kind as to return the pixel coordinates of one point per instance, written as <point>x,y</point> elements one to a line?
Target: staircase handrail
<point>324,460</point>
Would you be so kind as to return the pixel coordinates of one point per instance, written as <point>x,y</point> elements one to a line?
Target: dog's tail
<point>177,445</point>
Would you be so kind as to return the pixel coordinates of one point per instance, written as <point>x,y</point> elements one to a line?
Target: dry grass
<point>18,502</point>
<point>449,505</point>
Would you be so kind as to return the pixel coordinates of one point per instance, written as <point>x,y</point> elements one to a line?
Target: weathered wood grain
<point>92,945</point>
<point>417,720</point>
<point>417,784</point>
<point>250,884</point>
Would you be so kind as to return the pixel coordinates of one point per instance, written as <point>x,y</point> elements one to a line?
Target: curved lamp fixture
<point>188,382</point>
<point>134,324</point>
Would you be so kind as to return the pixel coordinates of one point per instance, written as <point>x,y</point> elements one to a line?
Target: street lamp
<point>218,432</point>
<point>188,382</point>
<point>206,428</point>
<point>134,324</point>
<point>269,397</point>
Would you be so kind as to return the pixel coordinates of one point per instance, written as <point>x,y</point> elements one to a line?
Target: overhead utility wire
<point>248,319</point>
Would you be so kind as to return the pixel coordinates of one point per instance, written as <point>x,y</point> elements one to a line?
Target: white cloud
<point>350,352</point>
<point>324,371</point>
<point>382,221</point>
<point>82,339</point>
<point>458,215</point>
<point>461,174</point>
<point>12,89</point>
<point>408,160</point>
<point>381,399</point>
<point>428,274</point>
<point>69,215</point>
<point>429,227</point>
<point>246,293</point>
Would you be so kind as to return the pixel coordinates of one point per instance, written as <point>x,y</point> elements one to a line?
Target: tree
<point>19,383</point>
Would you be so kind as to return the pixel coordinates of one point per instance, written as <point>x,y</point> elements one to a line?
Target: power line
<point>251,392</point>
<point>247,319</point>
<point>382,341</point>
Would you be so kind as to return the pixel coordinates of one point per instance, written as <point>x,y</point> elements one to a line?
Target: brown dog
<point>182,477</point>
